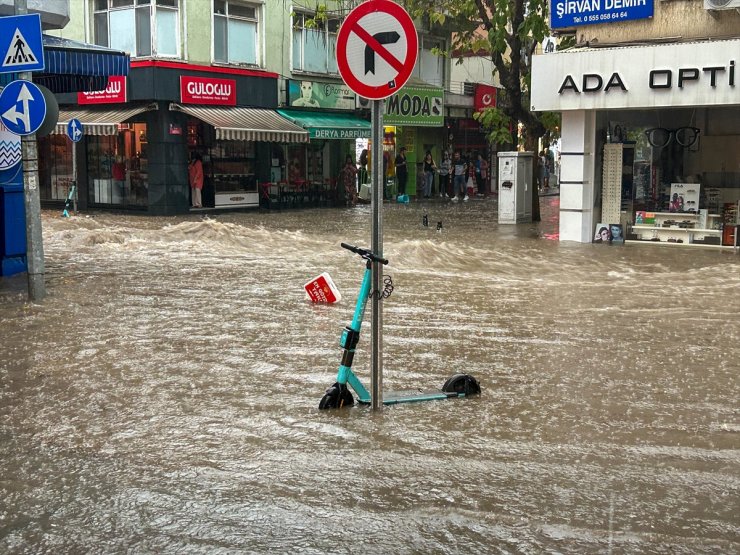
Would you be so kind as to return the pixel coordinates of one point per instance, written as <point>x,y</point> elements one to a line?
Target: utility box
<point>515,183</point>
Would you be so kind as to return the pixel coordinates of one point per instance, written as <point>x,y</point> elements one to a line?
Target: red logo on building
<point>485,97</point>
<point>207,90</point>
<point>114,93</point>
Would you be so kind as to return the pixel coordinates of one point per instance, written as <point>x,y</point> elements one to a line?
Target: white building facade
<point>643,116</point>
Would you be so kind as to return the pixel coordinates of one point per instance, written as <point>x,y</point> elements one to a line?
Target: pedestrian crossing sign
<point>21,43</point>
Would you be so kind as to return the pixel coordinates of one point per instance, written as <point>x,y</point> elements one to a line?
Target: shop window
<point>430,67</point>
<point>314,44</point>
<point>232,165</point>
<point>296,163</point>
<point>117,167</point>
<point>55,167</point>
<point>139,27</point>
<point>235,32</point>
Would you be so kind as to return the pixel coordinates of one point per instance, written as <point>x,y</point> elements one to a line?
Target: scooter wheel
<point>462,383</point>
<point>336,397</point>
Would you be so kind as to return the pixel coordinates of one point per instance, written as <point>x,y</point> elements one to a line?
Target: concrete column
<point>577,160</point>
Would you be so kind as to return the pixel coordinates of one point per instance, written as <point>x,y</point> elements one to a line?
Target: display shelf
<point>692,229</point>
<point>702,227</point>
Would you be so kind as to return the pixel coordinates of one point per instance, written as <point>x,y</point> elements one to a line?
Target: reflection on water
<point>164,396</point>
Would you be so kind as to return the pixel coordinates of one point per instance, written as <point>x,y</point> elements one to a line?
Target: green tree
<point>507,32</point>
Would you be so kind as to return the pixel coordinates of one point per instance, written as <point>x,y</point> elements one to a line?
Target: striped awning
<point>72,66</point>
<point>96,121</point>
<point>246,124</point>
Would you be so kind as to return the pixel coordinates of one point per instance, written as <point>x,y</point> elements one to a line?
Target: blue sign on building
<point>571,13</point>
<point>21,45</point>
<point>22,107</point>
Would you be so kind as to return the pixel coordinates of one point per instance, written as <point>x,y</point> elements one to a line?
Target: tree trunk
<point>530,145</point>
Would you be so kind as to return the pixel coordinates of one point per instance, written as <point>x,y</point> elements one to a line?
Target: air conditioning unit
<point>468,88</point>
<point>721,4</point>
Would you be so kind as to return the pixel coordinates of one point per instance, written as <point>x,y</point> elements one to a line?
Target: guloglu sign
<point>114,93</point>
<point>207,90</point>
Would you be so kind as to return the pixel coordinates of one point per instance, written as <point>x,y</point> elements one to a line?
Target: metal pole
<point>74,175</point>
<point>376,356</point>
<point>32,200</point>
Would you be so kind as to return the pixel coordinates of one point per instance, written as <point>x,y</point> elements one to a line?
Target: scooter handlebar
<point>364,253</point>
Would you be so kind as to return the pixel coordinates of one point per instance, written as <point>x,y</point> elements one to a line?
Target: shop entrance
<point>229,167</point>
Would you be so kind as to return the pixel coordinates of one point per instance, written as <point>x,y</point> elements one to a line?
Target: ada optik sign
<point>706,74</point>
<point>571,13</point>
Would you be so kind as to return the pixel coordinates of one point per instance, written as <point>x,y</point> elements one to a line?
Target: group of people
<point>457,174</point>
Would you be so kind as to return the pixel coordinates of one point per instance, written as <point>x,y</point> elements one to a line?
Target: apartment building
<point>650,103</point>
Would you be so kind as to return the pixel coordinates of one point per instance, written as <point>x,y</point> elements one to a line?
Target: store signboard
<point>699,74</point>
<point>571,13</point>
<point>485,97</point>
<point>207,90</point>
<point>114,93</point>
<point>318,94</point>
<point>418,106</point>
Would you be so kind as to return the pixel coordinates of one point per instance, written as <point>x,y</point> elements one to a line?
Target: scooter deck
<point>397,397</point>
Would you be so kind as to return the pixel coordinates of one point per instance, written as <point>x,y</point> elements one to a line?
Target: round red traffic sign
<point>376,49</point>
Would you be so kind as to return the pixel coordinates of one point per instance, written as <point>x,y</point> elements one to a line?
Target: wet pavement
<point>163,398</point>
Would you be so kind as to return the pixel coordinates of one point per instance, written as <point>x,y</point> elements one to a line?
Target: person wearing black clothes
<point>429,168</point>
<point>402,172</point>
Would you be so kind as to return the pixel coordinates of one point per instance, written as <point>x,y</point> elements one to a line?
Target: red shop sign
<point>485,97</point>
<point>207,90</point>
<point>114,93</point>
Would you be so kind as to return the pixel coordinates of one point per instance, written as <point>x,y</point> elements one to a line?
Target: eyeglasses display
<point>660,137</point>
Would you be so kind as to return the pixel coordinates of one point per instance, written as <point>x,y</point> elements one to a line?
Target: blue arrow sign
<point>74,130</point>
<point>21,46</point>
<point>22,107</point>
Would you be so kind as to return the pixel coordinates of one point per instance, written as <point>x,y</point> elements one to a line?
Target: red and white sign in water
<point>207,90</point>
<point>114,93</point>
<point>321,289</point>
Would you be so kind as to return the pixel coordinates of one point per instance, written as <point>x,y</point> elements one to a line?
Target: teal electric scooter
<point>339,395</point>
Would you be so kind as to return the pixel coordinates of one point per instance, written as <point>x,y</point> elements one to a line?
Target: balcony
<point>54,13</point>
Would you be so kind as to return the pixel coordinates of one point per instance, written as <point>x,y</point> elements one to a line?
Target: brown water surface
<point>163,398</point>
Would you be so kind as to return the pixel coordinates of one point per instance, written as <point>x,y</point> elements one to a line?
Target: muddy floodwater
<point>164,397</point>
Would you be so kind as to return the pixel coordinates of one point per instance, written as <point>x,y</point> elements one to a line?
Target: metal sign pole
<point>74,176</point>
<point>32,200</point>
<point>376,356</point>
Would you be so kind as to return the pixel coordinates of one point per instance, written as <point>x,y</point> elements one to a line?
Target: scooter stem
<point>351,336</point>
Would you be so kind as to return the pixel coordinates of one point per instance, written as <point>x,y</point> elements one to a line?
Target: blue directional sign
<point>21,46</point>
<point>22,107</point>
<point>74,130</point>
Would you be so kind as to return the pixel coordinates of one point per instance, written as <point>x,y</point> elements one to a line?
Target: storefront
<point>68,66</point>
<point>414,118</point>
<point>141,132</point>
<point>650,141</point>
<point>332,131</point>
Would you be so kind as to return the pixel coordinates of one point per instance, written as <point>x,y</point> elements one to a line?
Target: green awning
<point>323,125</point>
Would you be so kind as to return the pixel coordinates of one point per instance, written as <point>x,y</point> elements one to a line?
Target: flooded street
<point>163,397</point>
